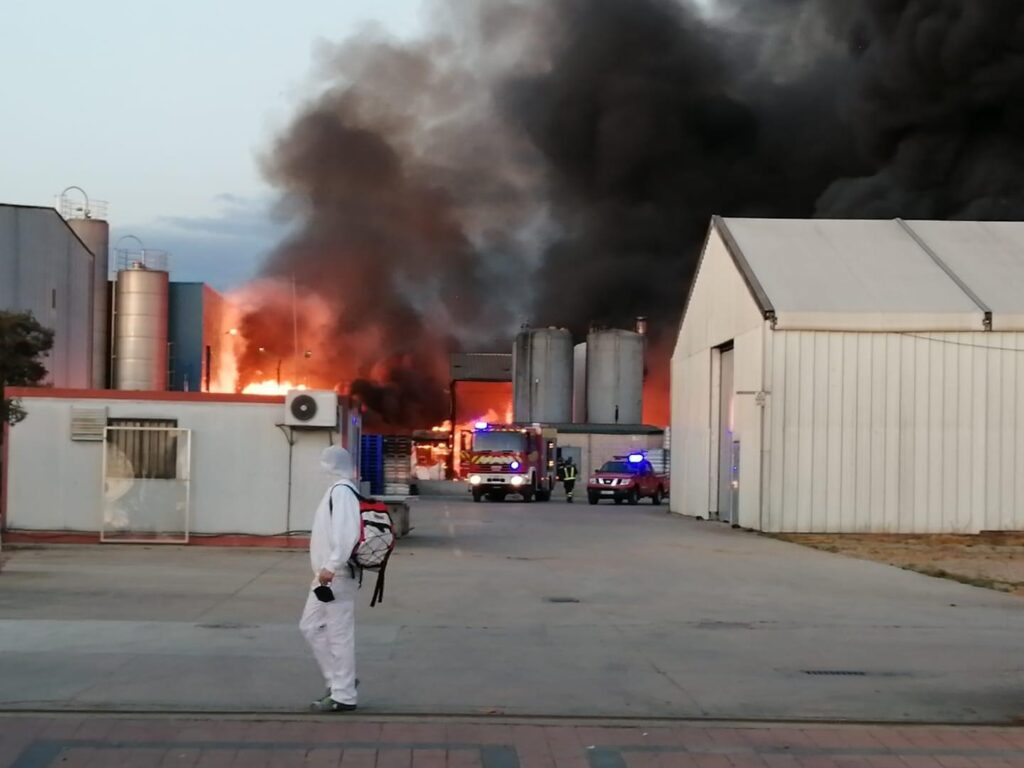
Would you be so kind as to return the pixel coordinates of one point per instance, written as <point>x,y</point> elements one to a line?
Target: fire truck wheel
<point>593,498</point>
<point>477,496</point>
<point>656,498</point>
<point>528,496</point>
<point>634,497</point>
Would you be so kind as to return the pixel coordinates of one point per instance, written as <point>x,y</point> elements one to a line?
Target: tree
<point>23,345</point>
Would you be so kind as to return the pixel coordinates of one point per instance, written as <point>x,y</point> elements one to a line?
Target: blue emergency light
<point>515,465</point>
<point>481,425</point>
<point>636,458</point>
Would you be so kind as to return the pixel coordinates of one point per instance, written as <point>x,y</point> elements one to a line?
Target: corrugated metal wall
<point>885,432</point>
<point>185,320</point>
<point>46,270</point>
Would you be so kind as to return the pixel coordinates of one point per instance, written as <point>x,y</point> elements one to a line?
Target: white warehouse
<point>853,376</point>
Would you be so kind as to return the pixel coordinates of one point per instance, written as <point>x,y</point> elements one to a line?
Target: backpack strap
<point>330,510</point>
<point>378,588</point>
<point>330,496</point>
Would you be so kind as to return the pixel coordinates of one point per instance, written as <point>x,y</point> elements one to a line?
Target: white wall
<point>45,269</point>
<point>875,432</point>
<point>721,309</point>
<point>595,450</point>
<point>239,473</point>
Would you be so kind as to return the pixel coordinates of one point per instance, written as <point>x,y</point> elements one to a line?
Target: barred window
<point>150,453</point>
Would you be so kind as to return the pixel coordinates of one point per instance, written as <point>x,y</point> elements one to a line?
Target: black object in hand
<point>324,594</point>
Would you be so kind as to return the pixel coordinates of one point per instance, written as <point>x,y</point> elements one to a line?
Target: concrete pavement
<point>543,609</point>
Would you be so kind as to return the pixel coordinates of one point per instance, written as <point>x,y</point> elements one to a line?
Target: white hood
<point>338,462</point>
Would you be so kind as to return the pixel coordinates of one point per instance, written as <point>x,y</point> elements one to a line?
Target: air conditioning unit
<point>311,408</point>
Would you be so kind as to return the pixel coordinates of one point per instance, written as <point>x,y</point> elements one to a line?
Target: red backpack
<point>376,540</point>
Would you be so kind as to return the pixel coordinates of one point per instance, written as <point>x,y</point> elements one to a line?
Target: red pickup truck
<point>627,478</point>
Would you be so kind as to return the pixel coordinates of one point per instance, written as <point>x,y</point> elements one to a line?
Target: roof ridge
<point>960,283</point>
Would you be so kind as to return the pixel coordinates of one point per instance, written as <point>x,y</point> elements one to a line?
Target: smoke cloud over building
<point>557,162</point>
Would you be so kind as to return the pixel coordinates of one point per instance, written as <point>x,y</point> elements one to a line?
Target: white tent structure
<point>853,376</point>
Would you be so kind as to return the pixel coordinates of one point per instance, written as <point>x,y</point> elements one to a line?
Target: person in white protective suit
<point>329,627</point>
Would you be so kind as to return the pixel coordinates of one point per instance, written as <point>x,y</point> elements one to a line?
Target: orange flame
<point>275,338</point>
<point>271,387</point>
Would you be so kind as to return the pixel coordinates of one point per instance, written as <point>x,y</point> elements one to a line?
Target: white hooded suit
<point>330,627</point>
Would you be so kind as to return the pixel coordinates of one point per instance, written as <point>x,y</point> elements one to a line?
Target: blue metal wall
<point>185,334</point>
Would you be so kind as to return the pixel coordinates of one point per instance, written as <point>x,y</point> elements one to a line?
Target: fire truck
<point>510,459</point>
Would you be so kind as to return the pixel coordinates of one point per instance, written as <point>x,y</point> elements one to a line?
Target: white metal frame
<point>188,487</point>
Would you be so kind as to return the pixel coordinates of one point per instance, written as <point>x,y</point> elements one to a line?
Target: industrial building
<point>480,387</point>
<point>166,466</point>
<point>47,269</point>
<point>853,376</point>
<point>137,331</point>
<point>591,393</point>
<point>591,445</point>
<point>195,336</point>
<point>597,382</point>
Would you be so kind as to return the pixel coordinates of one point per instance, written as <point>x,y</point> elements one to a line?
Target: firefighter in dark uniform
<point>569,475</point>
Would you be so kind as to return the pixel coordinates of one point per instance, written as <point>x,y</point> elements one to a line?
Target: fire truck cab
<point>509,459</point>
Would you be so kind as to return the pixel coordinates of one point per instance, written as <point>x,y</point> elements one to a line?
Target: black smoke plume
<point>557,161</point>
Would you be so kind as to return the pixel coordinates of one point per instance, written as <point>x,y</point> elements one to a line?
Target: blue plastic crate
<point>371,462</point>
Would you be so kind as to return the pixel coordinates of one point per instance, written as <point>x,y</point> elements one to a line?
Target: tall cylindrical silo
<point>615,377</point>
<point>140,328</point>
<point>579,384</point>
<point>95,233</point>
<point>542,376</point>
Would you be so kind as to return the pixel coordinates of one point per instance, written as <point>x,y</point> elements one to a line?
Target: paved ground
<point>100,742</point>
<point>675,618</point>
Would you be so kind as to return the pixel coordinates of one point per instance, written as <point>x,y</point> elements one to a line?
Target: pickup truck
<point>627,478</point>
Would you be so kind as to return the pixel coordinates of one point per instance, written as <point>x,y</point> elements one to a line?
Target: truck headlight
<point>518,480</point>
<point>475,479</point>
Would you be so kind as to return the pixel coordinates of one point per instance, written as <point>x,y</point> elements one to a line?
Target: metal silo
<point>95,234</point>
<point>579,384</point>
<point>542,376</point>
<point>615,377</point>
<point>140,323</point>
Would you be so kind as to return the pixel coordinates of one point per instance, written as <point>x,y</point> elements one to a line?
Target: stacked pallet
<point>397,465</point>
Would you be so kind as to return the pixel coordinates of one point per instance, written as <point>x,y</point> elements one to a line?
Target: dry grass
<point>988,560</point>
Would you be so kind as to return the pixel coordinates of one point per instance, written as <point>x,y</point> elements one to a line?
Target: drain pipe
<point>289,435</point>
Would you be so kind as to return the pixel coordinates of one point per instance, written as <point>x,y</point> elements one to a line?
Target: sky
<point>163,110</point>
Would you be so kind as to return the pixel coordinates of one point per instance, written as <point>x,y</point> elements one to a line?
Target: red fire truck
<point>507,459</point>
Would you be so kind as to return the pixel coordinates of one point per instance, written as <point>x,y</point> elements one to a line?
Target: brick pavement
<point>99,741</point>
